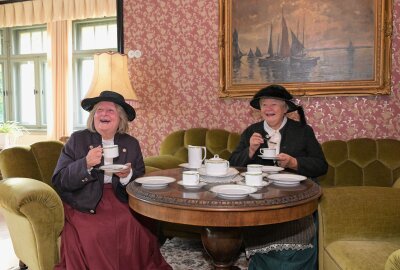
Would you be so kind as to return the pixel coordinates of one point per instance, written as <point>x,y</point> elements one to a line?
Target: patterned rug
<point>189,254</point>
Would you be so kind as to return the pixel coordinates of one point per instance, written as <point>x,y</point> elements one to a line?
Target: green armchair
<point>362,162</point>
<point>33,211</point>
<point>173,149</point>
<point>359,228</point>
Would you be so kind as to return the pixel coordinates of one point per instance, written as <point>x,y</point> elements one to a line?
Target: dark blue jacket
<point>298,140</point>
<point>83,190</point>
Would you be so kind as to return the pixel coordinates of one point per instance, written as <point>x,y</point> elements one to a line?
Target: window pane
<point>99,35</point>
<point>24,82</point>
<point>28,41</point>
<point>84,75</point>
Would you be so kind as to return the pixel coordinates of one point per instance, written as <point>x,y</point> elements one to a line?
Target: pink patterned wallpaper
<point>177,80</point>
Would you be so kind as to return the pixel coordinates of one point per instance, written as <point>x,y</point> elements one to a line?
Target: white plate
<point>154,181</point>
<point>271,158</point>
<point>114,168</point>
<point>286,179</point>
<point>186,165</point>
<point>199,185</point>
<point>231,172</point>
<point>272,169</point>
<point>263,174</point>
<point>233,191</point>
<point>263,184</point>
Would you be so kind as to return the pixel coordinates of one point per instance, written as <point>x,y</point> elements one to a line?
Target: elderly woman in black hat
<point>289,245</point>
<point>100,232</point>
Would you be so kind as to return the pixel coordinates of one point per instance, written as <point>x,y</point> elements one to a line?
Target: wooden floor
<point>8,260</point>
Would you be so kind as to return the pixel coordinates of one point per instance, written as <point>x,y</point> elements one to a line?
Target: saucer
<point>154,182</point>
<point>264,174</point>
<point>271,158</point>
<point>231,173</point>
<point>196,186</point>
<point>263,184</point>
<point>272,169</point>
<point>113,168</point>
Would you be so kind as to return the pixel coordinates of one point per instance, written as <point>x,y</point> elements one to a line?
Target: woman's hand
<point>124,173</point>
<point>255,141</point>
<point>286,161</point>
<point>93,157</point>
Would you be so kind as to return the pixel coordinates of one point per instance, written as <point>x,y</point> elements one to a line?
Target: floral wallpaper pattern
<point>177,80</point>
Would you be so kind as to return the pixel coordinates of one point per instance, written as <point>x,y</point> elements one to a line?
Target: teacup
<point>196,155</point>
<point>216,166</point>
<point>268,152</point>
<point>253,178</point>
<point>190,177</point>
<point>110,151</point>
<point>254,168</point>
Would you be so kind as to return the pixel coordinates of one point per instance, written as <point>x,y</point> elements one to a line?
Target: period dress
<point>100,231</point>
<point>289,245</point>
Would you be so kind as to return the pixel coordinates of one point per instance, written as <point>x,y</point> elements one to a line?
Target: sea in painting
<point>286,51</point>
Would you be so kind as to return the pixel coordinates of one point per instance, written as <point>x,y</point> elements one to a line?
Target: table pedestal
<point>222,244</point>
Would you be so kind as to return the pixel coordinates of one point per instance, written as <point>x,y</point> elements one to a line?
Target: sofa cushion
<point>360,255</point>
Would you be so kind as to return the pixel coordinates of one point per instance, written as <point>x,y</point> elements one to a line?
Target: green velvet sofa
<point>32,209</point>
<point>173,149</point>
<point>359,228</point>
<point>359,211</point>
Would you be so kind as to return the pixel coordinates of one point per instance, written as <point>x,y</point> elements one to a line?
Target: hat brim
<point>255,103</point>
<point>88,104</point>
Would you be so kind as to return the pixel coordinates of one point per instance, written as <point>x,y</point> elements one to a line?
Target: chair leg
<point>22,266</point>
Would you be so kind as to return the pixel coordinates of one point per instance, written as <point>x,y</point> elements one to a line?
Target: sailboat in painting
<point>236,52</point>
<point>287,53</point>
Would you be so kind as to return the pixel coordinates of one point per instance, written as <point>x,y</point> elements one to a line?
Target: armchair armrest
<point>351,213</point>
<point>35,217</point>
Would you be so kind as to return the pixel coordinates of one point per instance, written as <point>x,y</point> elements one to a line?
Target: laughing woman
<point>289,245</point>
<point>100,231</point>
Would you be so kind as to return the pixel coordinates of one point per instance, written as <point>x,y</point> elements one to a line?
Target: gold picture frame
<point>362,66</point>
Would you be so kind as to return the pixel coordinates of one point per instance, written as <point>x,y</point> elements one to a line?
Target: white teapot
<point>216,166</point>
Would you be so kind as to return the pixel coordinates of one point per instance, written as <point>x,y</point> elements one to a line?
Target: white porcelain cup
<point>254,168</point>
<point>253,178</point>
<point>110,151</point>
<point>216,166</point>
<point>268,152</point>
<point>196,155</point>
<point>190,177</point>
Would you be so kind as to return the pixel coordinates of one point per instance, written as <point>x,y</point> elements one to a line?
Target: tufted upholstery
<point>173,149</point>
<point>362,162</point>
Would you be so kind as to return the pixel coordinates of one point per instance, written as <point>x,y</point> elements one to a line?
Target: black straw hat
<point>88,103</point>
<point>275,91</point>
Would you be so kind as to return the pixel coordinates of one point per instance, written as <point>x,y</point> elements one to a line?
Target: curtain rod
<point>11,1</point>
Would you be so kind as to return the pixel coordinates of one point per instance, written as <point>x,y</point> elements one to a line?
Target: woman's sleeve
<point>314,163</point>
<point>240,156</point>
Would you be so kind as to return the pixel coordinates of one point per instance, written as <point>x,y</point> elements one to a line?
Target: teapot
<point>216,166</point>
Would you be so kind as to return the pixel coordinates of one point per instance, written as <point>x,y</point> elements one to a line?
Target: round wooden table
<point>220,218</point>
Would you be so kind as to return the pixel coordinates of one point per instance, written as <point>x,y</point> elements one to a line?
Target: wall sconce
<point>111,73</point>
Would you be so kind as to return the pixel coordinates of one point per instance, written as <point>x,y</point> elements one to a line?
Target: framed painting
<point>313,48</point>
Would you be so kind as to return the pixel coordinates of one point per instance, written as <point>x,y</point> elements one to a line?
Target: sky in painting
<point>327,23</point>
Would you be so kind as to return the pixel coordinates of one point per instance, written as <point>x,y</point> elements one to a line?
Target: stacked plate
<point>154,182</point>
<point>286,179</point>
<point>226,178</point>
<point>233,192</point>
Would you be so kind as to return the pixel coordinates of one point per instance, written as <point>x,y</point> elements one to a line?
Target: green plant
<point>12,127</point>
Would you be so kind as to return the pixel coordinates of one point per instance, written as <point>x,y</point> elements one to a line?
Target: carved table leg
<point>222,244</point>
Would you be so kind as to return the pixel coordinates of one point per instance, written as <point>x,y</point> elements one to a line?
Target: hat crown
<point>112,94</point>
